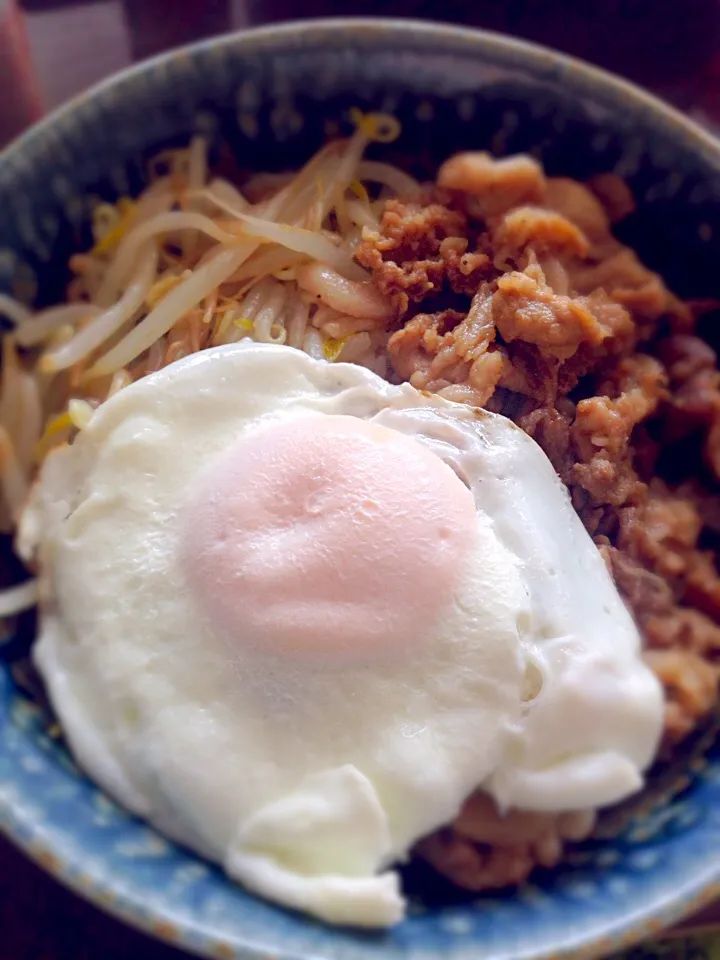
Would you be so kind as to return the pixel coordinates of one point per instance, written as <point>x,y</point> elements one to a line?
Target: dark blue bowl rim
<point>417,34</point>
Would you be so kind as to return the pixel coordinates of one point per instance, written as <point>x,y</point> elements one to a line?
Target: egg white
<point>306,784</point>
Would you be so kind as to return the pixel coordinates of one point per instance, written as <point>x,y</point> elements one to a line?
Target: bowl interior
<point>265,101</point>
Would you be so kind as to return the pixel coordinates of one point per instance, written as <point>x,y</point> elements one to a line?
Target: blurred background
<point>53,49</point>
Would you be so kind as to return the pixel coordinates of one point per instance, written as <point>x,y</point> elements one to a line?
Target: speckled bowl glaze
<point>270,97</point>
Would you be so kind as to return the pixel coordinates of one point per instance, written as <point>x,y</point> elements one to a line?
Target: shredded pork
<point>510,292</point>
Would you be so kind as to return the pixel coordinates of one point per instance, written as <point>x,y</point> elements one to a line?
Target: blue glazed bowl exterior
<point>267,98</point>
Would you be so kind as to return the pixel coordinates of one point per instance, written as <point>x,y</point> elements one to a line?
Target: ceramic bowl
<point>271,97</point>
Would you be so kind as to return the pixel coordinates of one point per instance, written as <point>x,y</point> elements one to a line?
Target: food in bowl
<point>302,600</point>
<point>298,614</point>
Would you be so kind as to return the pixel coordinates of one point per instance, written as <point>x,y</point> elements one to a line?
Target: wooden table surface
<point>672,48</point>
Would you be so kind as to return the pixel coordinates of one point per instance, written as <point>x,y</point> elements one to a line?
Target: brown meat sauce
<point>511,293</point>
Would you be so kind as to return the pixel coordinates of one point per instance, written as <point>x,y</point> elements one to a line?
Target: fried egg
<point>294,615</point>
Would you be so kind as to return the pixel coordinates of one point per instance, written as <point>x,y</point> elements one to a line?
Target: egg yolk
<point>326,536</point>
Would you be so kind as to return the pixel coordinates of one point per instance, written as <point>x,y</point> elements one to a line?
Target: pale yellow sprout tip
<point>124,208</point>
<point>378,127</point>
<point>55,425</point>
<point>244,323</point>
<point>162,286</point>
<point>359,190</point>
<point>46,364</point>
<point>80,413</point>
<point>332,348</point>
